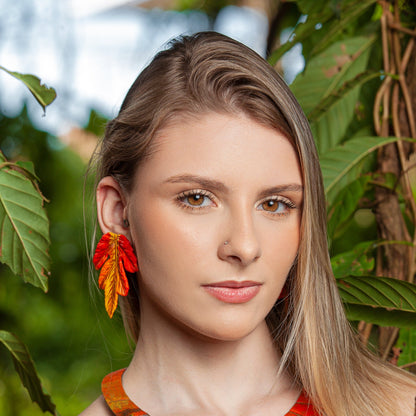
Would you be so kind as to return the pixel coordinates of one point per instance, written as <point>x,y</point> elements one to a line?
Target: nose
<point>241,244</point>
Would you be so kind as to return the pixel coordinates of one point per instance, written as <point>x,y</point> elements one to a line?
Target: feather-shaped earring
<point>115,255</point>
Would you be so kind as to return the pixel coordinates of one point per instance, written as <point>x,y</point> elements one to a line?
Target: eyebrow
<point>219,186</point>
<point>200,180</point>
<point>290,187</point>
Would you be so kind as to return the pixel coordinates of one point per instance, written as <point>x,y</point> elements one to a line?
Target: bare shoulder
<point>97,408</point>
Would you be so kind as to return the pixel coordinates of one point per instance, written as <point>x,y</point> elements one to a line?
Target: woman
<point>211,173</point>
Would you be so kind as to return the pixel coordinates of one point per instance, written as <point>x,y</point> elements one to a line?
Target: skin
<point>213,179</point>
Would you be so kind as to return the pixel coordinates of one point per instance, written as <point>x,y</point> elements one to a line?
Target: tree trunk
<point>395,260</point>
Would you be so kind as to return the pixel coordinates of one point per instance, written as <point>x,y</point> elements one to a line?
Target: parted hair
<point>209,72</point>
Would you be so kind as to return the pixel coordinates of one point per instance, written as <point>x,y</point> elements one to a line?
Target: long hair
<point>209,72</point>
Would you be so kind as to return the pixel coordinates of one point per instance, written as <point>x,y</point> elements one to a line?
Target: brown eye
<point>276,206</point>
<point>195,200</point>
<point>272,205</point>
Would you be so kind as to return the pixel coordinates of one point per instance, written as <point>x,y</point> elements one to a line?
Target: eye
<point>277,206</point>
<point>196,199</point>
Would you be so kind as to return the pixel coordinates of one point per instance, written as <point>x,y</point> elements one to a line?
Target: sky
<point>91,51</point>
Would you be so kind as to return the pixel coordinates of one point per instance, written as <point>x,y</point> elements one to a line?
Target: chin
<point>228,331</point>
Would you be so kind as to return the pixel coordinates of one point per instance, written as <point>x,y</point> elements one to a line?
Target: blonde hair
<point>209,72</point>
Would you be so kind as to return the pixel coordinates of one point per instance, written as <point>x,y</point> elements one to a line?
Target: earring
<point>115,255</point>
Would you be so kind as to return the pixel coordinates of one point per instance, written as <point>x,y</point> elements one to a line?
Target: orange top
<point>121,405</point>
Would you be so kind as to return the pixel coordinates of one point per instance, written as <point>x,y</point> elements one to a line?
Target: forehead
<point>226,146</point>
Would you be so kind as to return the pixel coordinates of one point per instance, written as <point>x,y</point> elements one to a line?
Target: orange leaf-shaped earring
<point>115,255</point>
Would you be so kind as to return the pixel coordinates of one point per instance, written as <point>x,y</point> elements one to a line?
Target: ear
<point>111,206</point>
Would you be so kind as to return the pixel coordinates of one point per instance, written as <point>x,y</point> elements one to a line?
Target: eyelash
<point>181,198</point>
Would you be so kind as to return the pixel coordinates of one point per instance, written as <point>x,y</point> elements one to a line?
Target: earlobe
<point>111,206</point>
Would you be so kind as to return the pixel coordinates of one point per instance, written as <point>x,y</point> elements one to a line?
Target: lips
<point>232,291</point>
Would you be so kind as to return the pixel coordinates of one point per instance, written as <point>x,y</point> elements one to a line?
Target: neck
<point>180,369</point>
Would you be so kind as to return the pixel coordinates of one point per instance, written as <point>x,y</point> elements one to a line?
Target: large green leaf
<point>340,160</point>
<point>380,300</point>
<point>349,13</point>
<point>364,166</point>
<point>302,31</point>
<point>309,7</point>
<point>337,95</point>
<point>327,72</point>
<point>329,88</point>
<point>346,203</point>
<point>24,226</point>
<point>358,261</point>
<point>26,369</point>
<point>44,95</point>
<point>407,344</point>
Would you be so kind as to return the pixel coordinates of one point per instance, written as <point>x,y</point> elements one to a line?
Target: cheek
<point>165,242</point>
<point>280,250</point>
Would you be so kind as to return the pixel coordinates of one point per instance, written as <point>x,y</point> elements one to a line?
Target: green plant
<point>24,241</point>
<point>358,90</point>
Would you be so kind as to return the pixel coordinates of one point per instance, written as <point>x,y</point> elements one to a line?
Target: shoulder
<point>98,408</point>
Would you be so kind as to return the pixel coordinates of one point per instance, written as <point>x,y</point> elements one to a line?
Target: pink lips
<point>233,291</point>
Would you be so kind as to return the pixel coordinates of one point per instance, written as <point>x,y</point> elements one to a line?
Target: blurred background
<point>90,51</point>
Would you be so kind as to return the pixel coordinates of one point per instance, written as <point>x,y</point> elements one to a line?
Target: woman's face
<point>214,217</point>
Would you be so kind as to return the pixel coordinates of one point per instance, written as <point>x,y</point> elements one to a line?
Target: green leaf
<point>350,12</point>
<point>337,95</point>
<point>340,15</point>
<point>378,12</point>
<point>358,262</point>
<point>43,95</point>
<point>24,227</point>
<point>329,70</point>
<point>363,167</point>
<point>407,344</point>
<point>382,317</point>
<point>387,180</point>
<point>96,123</point>
<point>380,300</point>
<point>338,161</point>
<point>346,203</point>
<point>29,169</point>
<point>25,367</point>
<point>323,83</point>
<point>301,32</point>
<point>309,7</point>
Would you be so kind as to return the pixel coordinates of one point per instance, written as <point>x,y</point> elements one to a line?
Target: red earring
<point>115,255</point>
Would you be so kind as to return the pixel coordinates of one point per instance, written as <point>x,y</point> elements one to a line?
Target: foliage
<point>407,346</point>
<point>64,330</point>
<point>25,227</point>
<point>43,95</point>
<point>357,55</point>
<point>210,7</point>
<point>356,90</point>
<point>26,370</point>
<point>381,300</point>
<point>24,240</point>
<point>340,159</point>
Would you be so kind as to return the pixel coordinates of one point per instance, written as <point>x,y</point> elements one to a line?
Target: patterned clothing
<point>121,405</point>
